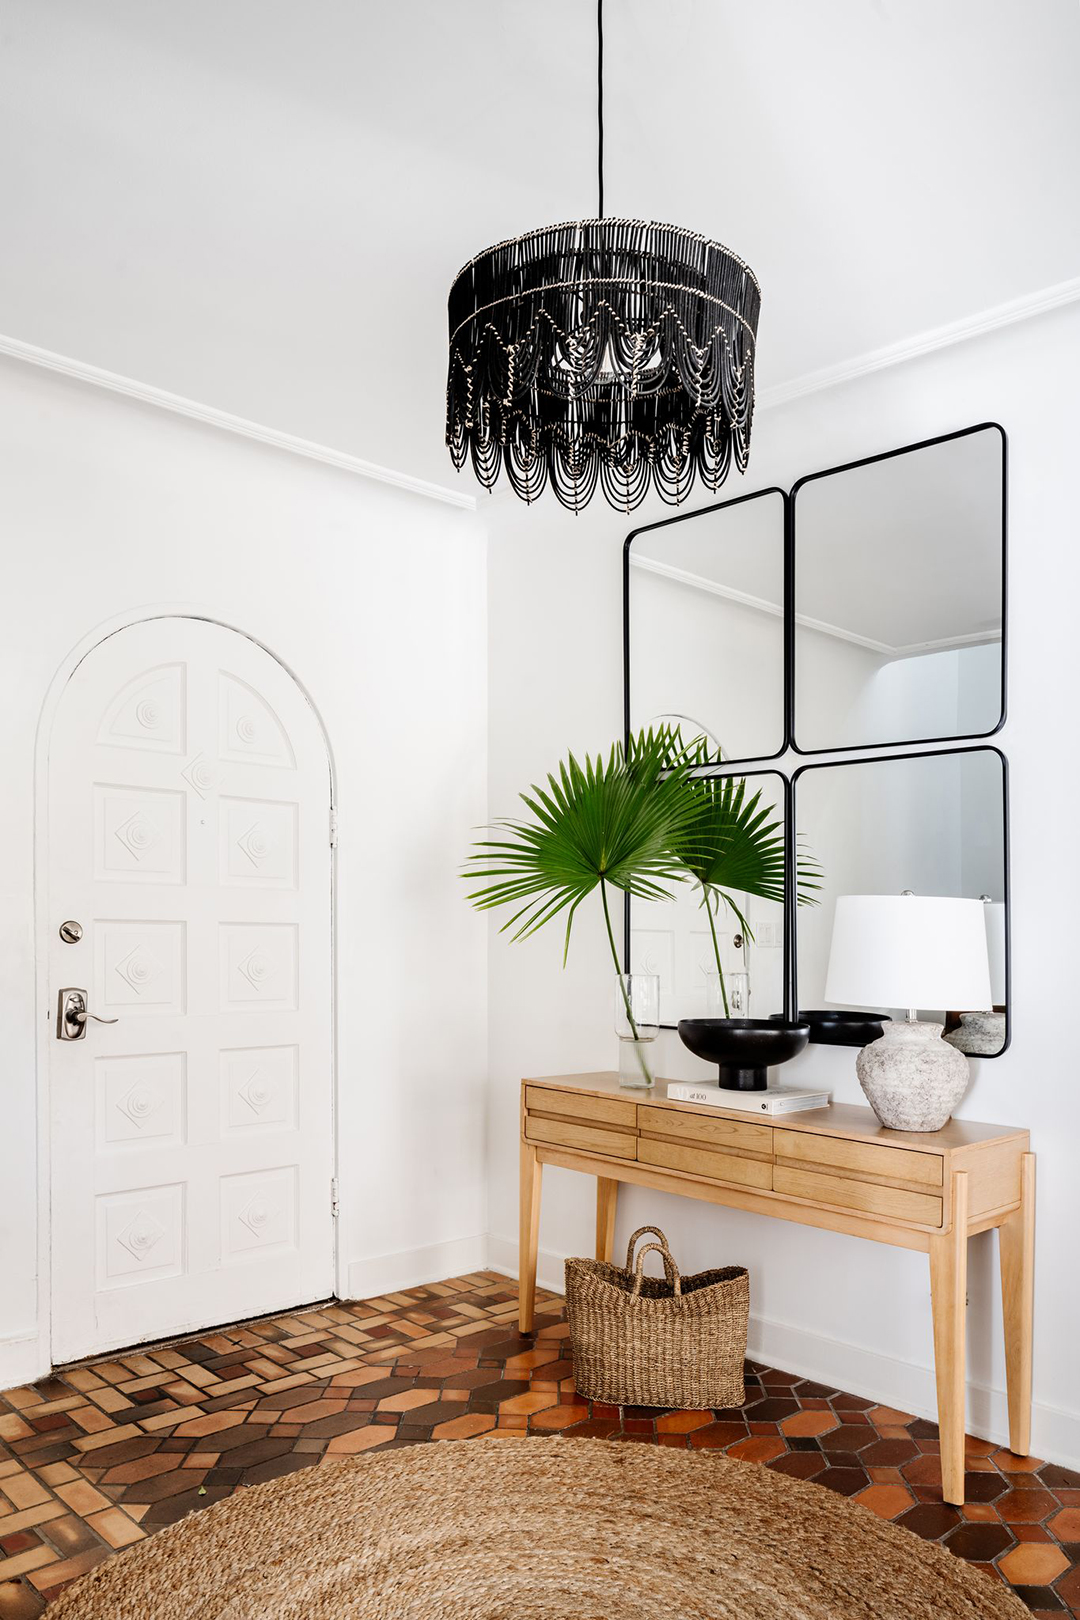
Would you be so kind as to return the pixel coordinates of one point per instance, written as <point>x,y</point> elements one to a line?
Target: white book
<point>773,1100</point>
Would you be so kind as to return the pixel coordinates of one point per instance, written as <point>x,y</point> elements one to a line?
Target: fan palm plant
<point>607,824</point>
<point>734,844</point>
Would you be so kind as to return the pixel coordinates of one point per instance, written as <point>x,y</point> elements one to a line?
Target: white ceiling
<point>260,204</point>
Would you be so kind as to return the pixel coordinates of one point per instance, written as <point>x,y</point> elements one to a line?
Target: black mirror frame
<point>788,683</point>
<point>863,753</point>
<point>791,927</point>
<point>790,670</point>
<point>787,810</point>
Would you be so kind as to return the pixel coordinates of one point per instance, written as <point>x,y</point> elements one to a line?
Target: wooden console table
<point>834,1167</point>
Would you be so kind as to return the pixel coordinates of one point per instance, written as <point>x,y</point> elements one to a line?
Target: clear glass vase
<point>737,985</point>
<point>637,1024</point>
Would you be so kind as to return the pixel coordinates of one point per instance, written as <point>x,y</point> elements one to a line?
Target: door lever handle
<point>72,1014</point>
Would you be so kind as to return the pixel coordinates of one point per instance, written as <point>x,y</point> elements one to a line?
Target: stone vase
<point>980,1033</point>
<point>911,1078</point>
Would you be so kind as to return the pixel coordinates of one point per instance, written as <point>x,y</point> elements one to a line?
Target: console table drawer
<point>614,1144</point>
<point>867,1197</point>
<point>866,1158</point>
<point>600,1110</point>
<point>720,1133</point>
<point>695,1161</point>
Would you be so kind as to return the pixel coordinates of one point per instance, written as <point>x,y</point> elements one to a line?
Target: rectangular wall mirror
<point>674,939</point>
<point>899,587</point>
<point>704,624</point>
<point>934,824</point>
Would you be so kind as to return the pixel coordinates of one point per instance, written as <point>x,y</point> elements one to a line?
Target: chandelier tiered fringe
<point>607,350</point>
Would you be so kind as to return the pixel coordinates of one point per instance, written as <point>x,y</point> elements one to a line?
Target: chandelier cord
<point>600,107</point>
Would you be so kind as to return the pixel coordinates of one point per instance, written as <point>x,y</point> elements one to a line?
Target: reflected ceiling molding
<point>700,582</point>
<point>15,349</point>
<point>938,337</point>
<point>913,649</point>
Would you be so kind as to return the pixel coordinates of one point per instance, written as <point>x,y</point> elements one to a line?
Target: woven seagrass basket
<point>646,1341</point>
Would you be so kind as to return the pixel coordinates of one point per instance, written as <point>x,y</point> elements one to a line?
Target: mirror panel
<point>931,823</point>
<point>899,596</point>
<point>673,938</point>
<point>705,626</point>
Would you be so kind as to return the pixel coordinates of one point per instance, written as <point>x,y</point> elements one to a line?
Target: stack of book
<point>773,1100</point>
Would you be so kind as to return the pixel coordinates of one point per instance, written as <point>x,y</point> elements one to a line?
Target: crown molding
<point>938,337</point>
<point>759,604</point>
<point>811,382</point>
<point>15,349</point>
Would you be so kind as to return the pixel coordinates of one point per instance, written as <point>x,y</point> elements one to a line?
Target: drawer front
<point>603,1110</point>
<point>612,1143</point>
<point>867,1158</point>
<point>720,1133</point>
<point>711,1166</point>
<point>816,1187</point>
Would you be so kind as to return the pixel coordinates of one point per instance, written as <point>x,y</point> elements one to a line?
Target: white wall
<point>375,599</point>
<point>826,1305</point>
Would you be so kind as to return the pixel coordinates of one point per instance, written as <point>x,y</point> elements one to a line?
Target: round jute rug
<point>496,1529</point>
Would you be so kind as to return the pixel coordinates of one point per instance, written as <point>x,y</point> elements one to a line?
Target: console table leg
<point>528,1236</point>
<point>1016,1247</point>
<point>607,1198</point>
<point>948,1290</point>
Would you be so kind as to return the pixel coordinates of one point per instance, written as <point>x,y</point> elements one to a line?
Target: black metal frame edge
<point>786,800</point>
<point>683,517</point>
<point>866,461</point>
<point>791,898</point>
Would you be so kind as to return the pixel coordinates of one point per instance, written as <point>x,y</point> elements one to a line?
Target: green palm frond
<point>733,842</point>
<point>617,821</point>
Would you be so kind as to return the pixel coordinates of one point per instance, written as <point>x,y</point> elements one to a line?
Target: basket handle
<point>641,1231</point>
<point>670,1268</point>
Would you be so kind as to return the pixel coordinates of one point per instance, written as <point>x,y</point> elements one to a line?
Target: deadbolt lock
<point>72,1015</point>
<point>71,932</point>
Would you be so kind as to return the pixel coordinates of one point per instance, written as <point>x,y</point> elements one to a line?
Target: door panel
<point>189,814</point>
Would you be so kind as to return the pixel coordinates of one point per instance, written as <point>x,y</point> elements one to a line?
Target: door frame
<point>43,1008</point>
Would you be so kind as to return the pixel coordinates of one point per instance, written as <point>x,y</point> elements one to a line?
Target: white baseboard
<point>22,1359</point>
<point>503,1257</point>
<point>1055,1433</point>
<point>410,1268</point>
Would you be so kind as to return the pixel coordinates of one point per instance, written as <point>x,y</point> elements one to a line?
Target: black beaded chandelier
<point>606,350</point>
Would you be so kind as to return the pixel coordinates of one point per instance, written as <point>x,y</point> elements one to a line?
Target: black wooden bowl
<point>833,1027</point>
<point>744,1048</point>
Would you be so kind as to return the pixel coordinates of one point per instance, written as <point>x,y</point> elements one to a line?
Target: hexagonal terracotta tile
<point>1035,1564</point>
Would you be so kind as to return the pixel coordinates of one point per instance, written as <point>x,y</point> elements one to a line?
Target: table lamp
<point>981,1033</point>
<point>909,950</point>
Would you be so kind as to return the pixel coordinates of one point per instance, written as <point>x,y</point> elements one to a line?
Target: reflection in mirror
<point>705,622</point>
<point>899,583</point>
<point>933,824</point>
<point>675,938</point>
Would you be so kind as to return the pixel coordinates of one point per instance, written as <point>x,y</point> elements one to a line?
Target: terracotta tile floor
<point>100,1455</point>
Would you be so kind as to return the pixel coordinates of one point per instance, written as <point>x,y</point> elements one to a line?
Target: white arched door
<point>189,839</point>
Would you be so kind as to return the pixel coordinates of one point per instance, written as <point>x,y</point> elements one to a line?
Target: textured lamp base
<point>980,1033</point>
<point>911,1078</point>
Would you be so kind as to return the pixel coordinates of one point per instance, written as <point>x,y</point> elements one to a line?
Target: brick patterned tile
<point>97,1457</point>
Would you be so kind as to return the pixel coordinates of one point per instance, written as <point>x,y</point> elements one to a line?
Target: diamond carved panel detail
<point>259,966</point>
<point>259,1089</point>
<point>140,1100</point>
<point>201,775</point>
<point>138,835</point>
<point>140,1235</point>
<point>258,1212</point>
<point>139,967</point>
<point>259,843</point>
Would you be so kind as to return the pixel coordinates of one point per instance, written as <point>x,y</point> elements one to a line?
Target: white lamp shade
<point>912,950</point>
<point>995,940</point>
